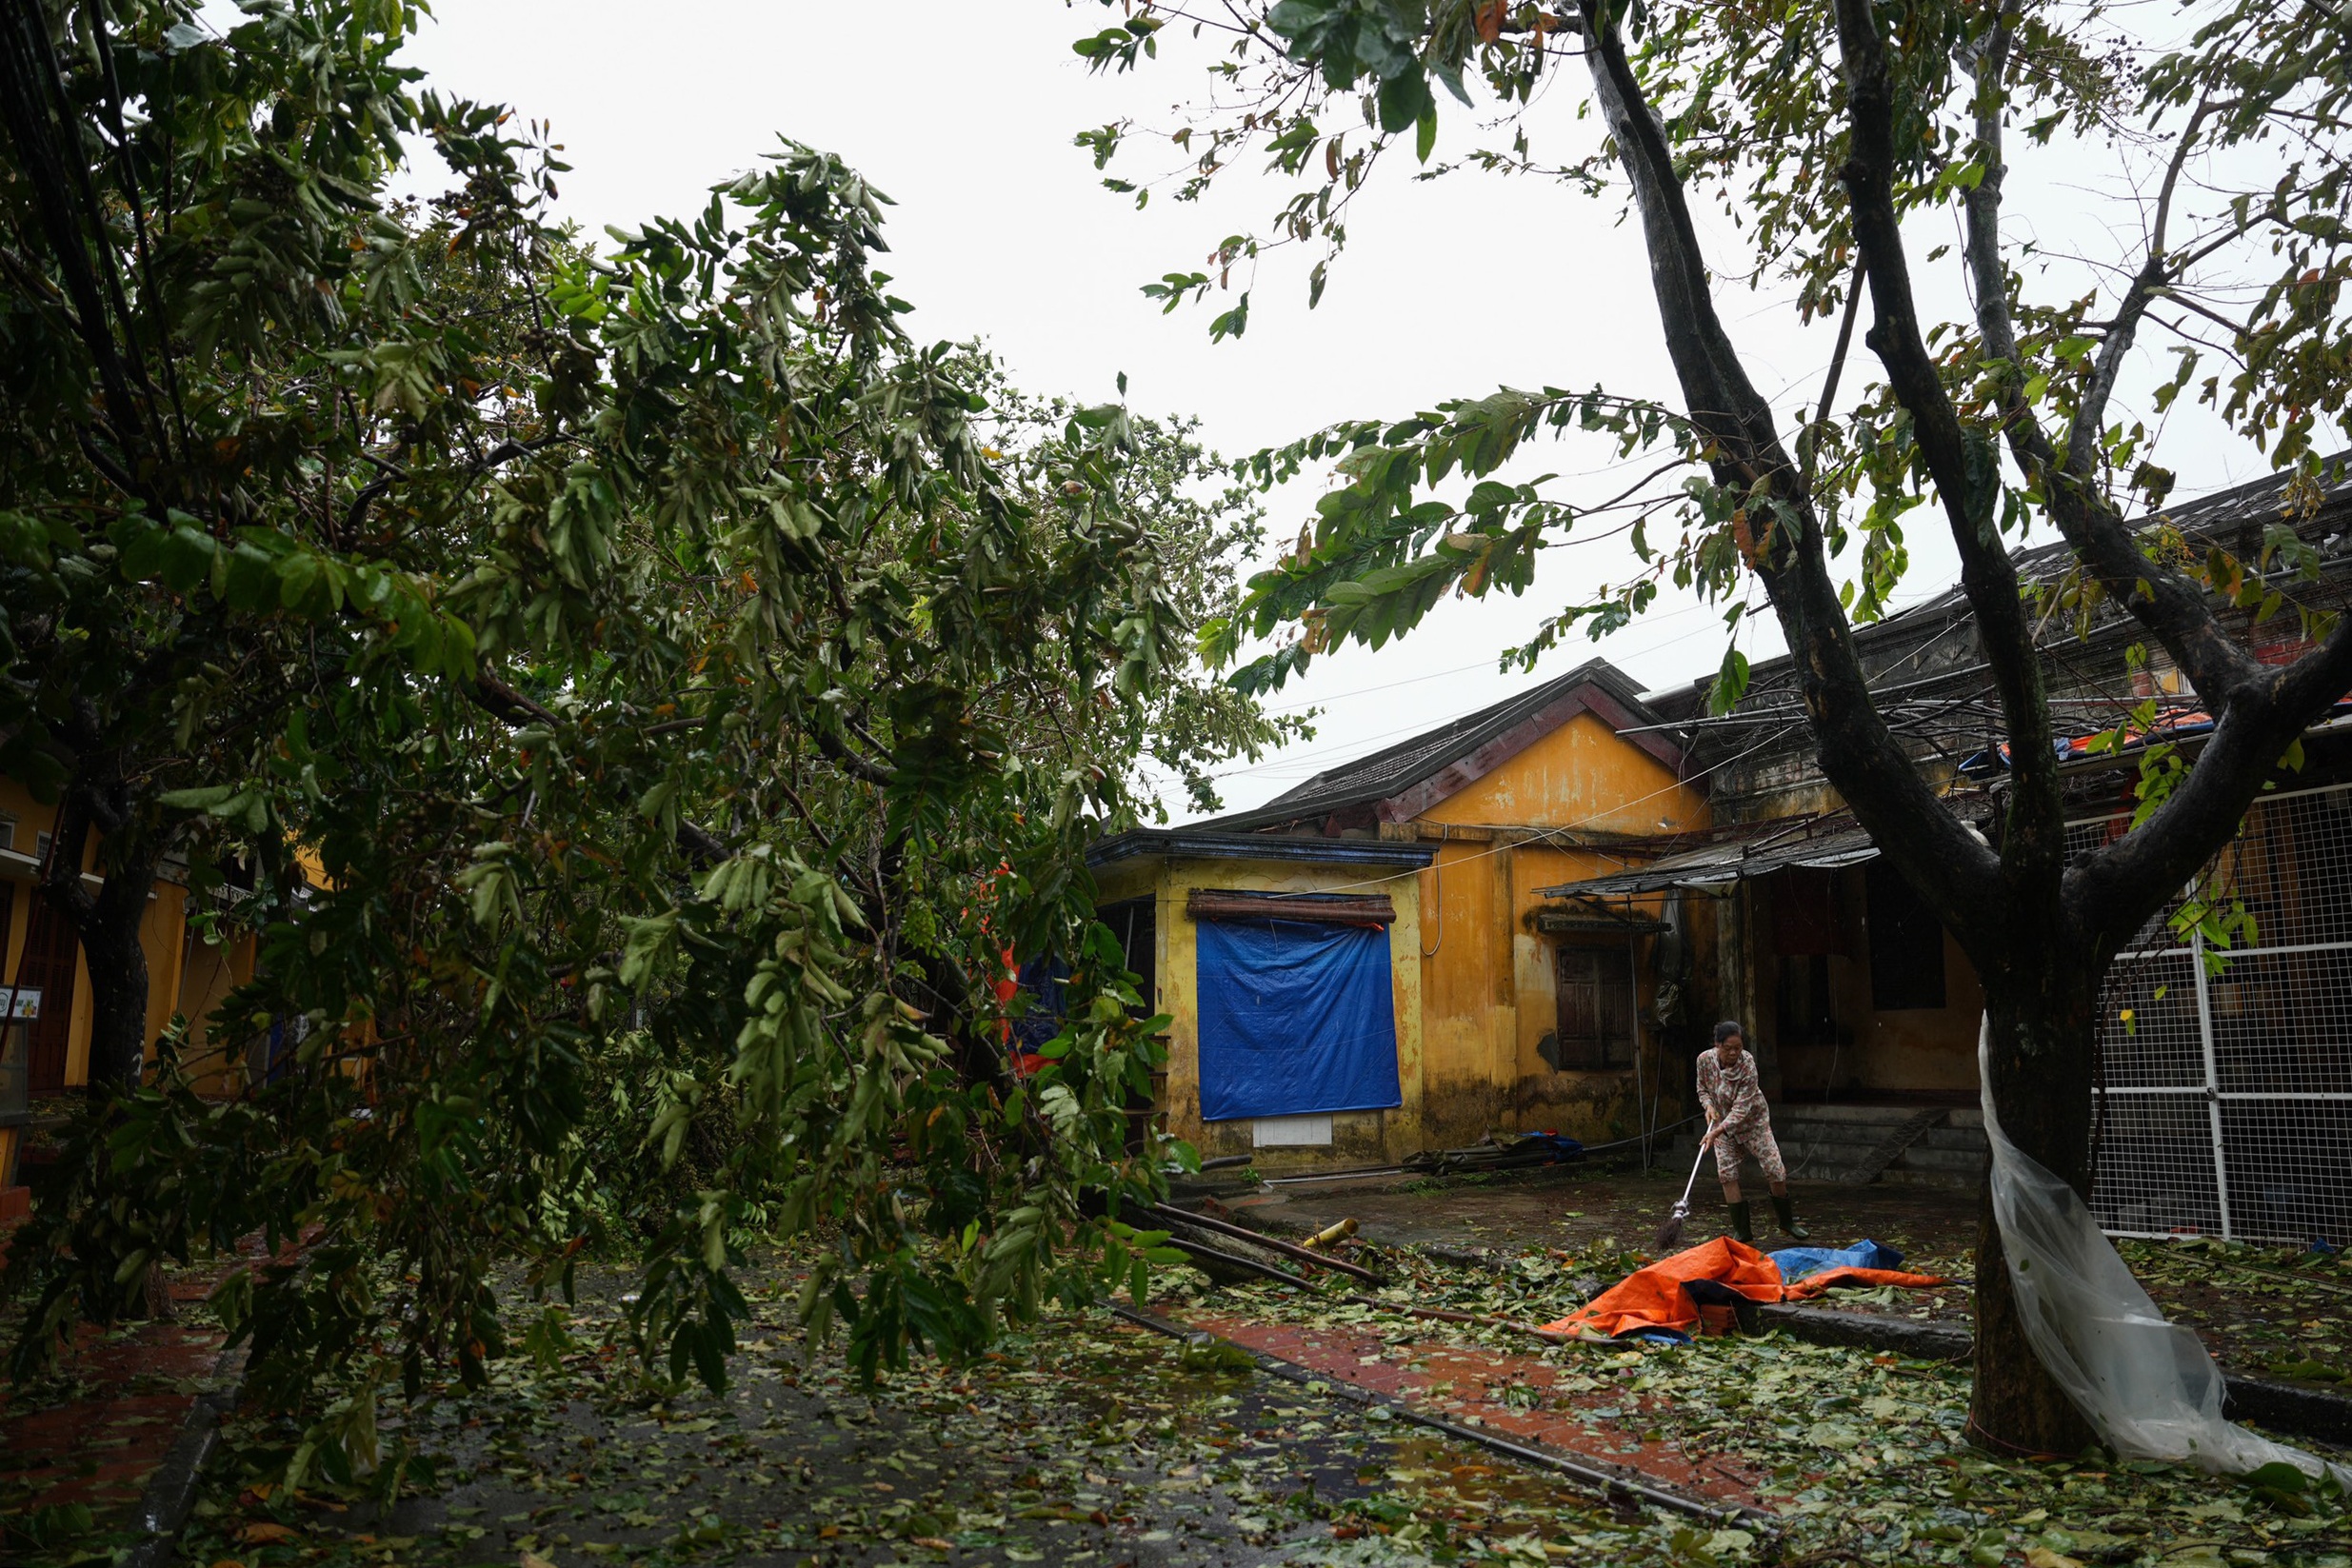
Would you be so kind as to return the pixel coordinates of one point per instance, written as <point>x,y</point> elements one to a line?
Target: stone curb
<point>1864,1331</point>
<point>171,1493</point>
<point>2286,1407</point>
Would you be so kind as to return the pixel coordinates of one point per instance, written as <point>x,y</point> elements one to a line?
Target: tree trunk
<point>108,923</point>
<point>118,985</point>
<point>2043,1012</point>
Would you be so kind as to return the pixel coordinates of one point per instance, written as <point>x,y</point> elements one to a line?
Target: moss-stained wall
<point>1474,980</point>
<point>1488,976</point>
<point>1359,1137</point>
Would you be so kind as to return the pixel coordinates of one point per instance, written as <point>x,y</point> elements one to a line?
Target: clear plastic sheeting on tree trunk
<point>2145,1384</point>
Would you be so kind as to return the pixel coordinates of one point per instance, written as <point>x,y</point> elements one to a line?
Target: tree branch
<point>2163,600</point>
<point>1953,869</point>
<point>26,86</point>
<point>857,766</point>
<point>1965,464</point>
<point>505,451</point>
<point>2111,891</point>
<point>502,702</point>
<point>60,875</point>
<point>2146,285</point>
<point>1809,446</point>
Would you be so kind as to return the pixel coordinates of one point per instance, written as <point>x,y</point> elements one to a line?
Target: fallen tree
<point>642,704</point>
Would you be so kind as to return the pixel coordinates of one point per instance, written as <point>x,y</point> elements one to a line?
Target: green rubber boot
<point>1742,1226</point>
<point>1784,1210</point>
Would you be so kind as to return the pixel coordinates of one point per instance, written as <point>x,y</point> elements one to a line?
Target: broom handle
<point>1694,1175</point>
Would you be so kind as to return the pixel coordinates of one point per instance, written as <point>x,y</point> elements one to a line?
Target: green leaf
<point>203,798</point>
<point>1730,683</point>
<point>185,558</point>
<point>139,546</point>
<point>2277,1476</point>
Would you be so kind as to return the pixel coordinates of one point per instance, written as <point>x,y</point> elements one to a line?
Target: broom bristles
<point>1670,1235</point>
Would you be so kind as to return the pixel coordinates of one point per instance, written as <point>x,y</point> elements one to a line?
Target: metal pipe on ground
<point>1332,1176</point>
<point>1251,1265</point>
<point>1257,1238</point>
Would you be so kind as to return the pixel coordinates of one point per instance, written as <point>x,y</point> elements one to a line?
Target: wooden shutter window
<point>1595,990</point>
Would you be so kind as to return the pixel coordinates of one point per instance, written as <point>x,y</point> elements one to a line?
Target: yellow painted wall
<point>1357,1137</point>
<point>1488,975</point>
<point>163,937</point>
<point>210,972</point>
<point>1469,1003</point>
<point>1584,775</point>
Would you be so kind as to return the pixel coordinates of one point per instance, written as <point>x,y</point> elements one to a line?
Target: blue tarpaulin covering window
<point>1296,1019</point>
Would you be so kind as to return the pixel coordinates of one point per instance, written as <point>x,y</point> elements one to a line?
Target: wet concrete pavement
<point>1934,1227</point>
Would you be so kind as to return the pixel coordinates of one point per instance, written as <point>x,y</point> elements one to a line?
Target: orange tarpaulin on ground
<point>1654,1298</point>
<point>1813,1284</point>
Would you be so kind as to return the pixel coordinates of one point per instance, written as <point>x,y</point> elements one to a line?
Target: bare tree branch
<point>2146,285</point>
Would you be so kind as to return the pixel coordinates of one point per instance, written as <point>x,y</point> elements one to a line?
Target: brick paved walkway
<point>96,1432</point>
<point>1469,1385</point>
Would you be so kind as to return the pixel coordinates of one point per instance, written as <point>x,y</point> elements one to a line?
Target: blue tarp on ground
<point>1796,1263</point>
<point>1296,1019</point>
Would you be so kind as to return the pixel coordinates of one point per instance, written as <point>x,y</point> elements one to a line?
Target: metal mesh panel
<point>2155,1166</point>
<point>2276,1024</point>
<point>2226,1094</point>
<point>2290,1168</point>
<point>2154,1040</point>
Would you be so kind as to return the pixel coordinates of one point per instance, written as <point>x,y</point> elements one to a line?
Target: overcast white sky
<point>963,111</point>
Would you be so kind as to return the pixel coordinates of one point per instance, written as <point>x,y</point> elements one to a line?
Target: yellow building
<point>40,950</point>
<point>1511,1011</point>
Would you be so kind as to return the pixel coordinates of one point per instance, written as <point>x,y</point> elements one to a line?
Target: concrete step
<point>1949,1181</point>
<point>1825,1141</point>
<point>1944,1159</point>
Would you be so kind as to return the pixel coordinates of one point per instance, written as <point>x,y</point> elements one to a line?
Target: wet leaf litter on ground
<point>1096,1442</point>
<point>1091,1442</point>
<point>2263,1311</point>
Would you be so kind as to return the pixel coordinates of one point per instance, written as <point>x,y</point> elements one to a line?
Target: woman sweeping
<point>1740,1124</point>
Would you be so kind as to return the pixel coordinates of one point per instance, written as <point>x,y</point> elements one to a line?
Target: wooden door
<point>50,947</point>
<point>1595,991</point>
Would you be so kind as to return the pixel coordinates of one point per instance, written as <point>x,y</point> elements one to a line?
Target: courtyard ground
<point>1092,1439</point>
<point>2262,1310</point>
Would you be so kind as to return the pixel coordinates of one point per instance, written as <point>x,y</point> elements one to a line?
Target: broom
<point>1669,1237</point>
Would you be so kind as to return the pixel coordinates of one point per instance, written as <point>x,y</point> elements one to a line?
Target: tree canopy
<point>688,693</point>
<point>1845,142</point>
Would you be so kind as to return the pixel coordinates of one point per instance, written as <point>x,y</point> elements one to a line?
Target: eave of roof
<point>1204,843</point>
<point>1767,848</point>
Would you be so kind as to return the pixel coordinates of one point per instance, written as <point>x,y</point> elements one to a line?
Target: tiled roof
<point>1390,772</point>
<point>2206,517</point>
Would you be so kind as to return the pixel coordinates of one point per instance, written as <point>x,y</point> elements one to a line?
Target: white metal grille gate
<point>2224,1107</point>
